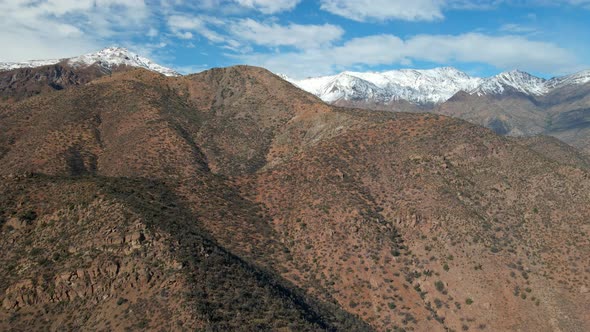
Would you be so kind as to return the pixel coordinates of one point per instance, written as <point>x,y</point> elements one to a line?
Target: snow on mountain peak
<point>4,66</point>
<point>117,56</point>
<point>417,86</point>
<point>431,86</point>
<point>107,58</point>
<point>579,78</point>
<point>516,80</point>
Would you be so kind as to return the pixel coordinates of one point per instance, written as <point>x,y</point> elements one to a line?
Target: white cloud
<point>269,6</point>
<point>503,52</point>
<point>362,10</point>
<point>152,32</point>
<point>182,26</point>
<point>296,35</point>
<point>423,10</point>
<point>583,3</point>
<point>191,69</point>
<point>236,34</point>
<point>62,28</point>
<point>518,29</point>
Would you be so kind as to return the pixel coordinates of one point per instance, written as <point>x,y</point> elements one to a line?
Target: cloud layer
<point>262,32</point>
<point>362,10</point>
<point>503,52</point>
<point>58,28</point>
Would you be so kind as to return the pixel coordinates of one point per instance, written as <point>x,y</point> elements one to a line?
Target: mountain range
<point>512,103</point>
<point>231,200</point>
<point>428,87</point>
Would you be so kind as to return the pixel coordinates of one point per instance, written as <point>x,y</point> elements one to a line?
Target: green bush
<point>439,285</point>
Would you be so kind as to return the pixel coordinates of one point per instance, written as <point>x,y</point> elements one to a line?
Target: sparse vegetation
<point>439,285</point>
<point>253,206</point>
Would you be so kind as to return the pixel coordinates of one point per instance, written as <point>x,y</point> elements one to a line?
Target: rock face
<point>231,200</point>
<point>22,83</point>
<point>26,79</point>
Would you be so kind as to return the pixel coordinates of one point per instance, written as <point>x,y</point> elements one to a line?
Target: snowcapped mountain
<point>344,86</point>
<point>516,80</point>
<point>417,86</point>
<point>107,58</point>
<point>4,66</point>
<point>580,78</point>
<point>424,87</point>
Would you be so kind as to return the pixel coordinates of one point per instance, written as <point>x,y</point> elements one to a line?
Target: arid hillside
<point>563,113</point>
<point>231,200</point>
<point>18,84</point>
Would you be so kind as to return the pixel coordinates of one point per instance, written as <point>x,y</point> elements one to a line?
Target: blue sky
<point>309,37</point>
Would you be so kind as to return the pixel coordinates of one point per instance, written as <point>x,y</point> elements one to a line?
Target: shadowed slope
<point>112,253</point>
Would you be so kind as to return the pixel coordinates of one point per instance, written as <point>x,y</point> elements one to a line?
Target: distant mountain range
<point>427,87</point>
<point>513,103</point>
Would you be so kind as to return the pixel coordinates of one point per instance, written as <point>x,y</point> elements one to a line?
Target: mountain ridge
<point>107,58</point>
<point>430,86</point>
<point>418,86</point>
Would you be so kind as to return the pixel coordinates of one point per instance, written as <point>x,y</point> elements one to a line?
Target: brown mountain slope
<point>563,113</point>
<point>513,114</point>
<point>18,84</point>
<point>556,150</point>
<point>409,221</point>
<point>394,106</point>
<point>115,254</point>
<point>135,125</point>
<point>246,110</point>
<point>484,220</point>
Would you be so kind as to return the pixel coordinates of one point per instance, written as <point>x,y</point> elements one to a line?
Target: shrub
<point>469,301</point>
<point>439,285</point>
<point>28,216</point>
<point>438,303</point>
